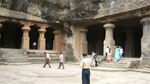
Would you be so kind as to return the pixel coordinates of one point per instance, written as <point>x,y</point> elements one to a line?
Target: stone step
<point>41,59</point>
<point>10,56</point>
<point>15,60</point>
<point>17,63</point>
<point>14,63</point>
<point>112,64</point>
<point>2,63</point>
<point>3,60</point>
<point>11,51</point>
<point>124,63</point>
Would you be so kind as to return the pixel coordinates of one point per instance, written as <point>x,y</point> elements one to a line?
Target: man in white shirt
<point>61,61</point>
<point>106,53</point>
<point>85,64</point>
<point>47,60</point>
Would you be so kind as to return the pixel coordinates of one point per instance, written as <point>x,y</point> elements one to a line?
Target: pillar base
<point>146,60</point>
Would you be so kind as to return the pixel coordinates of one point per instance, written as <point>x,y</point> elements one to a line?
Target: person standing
<point>61,61</point>
<point>94,60</point>
<point>47,60</point>
<point>34,45</point>
<point>106,53</point>
<point>110,55</point>
<point>117,54</point>
<point>86,64</point>
<point>121,52</point>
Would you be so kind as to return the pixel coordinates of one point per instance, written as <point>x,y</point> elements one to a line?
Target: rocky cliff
<point>54,9</point>
<point>73,9</point>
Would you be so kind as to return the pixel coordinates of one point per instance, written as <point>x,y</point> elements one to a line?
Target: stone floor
<point>35,74</point>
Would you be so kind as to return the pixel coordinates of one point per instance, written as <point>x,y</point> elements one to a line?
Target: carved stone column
<point>83,41</point>
<point>25,38</point>
<point>57,41</point>
<point>41,40</point>
<point>145,41</point>
<point>109,40</point>
<point>129,47</point>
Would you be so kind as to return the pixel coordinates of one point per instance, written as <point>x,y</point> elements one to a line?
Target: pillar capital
<point>42,30</point>
<point>26,28</point>
<point>109,25</point>
<point>146,26</point>
<point>43,26</point>
<point>145,20</point>
<point>83,30</point>
<point>26,24</point>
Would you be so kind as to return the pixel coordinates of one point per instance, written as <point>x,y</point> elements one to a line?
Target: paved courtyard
<point>35,74</point>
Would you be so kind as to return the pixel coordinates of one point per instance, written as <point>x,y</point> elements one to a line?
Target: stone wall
<point>69,42</point>
<point>110,7</point>
<point>74,9</point>
<point>19,15</point>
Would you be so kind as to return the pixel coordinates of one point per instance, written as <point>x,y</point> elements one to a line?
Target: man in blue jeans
<point>86,64</point>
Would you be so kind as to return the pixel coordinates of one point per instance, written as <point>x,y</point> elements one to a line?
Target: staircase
<point>37,56</point>
<point>12,56</point>
<point>124,63</point>
<point>20,56</point>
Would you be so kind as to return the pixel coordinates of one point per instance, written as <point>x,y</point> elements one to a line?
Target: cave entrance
<point>95,38</point>
<point>49,36</point>
<point>11,35</point>
<point>128,34</point>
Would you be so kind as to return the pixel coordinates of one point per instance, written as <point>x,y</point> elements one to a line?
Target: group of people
<point>86,62</point>
<point>48,60</point>
<point>118,54</point>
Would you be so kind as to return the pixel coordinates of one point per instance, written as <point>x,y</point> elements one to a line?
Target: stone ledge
<point>19,15</point>
<point>115,7</point>
<point>106,69</point>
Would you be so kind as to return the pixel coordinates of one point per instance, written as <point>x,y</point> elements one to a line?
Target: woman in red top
<point>109,55</point>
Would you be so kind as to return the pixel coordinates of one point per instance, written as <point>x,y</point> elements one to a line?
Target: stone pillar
<point>83,41</point>
<point>25,38</point>
<point>41,40</point>
<point>129,45</point>
<point>109,40</point>
<point>145,41</point>
<point>57,41</point>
